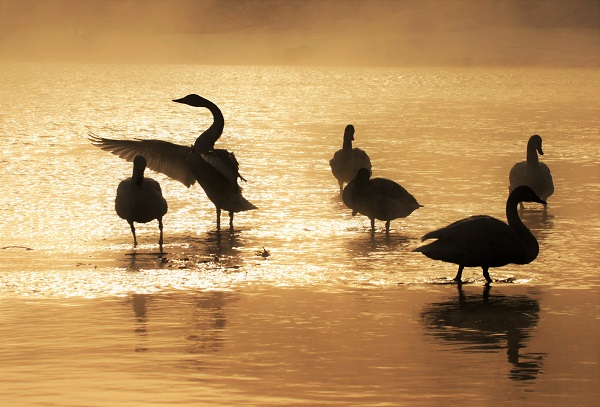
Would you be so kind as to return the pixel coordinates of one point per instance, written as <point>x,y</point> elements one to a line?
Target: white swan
<point>140,200</point>
<point>378,198</point>
<point>483,241</point>
<point>532,172</point>
<point>347,161</point>
<point>216,170</point>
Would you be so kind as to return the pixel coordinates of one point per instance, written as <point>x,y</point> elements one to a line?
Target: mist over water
<point>331,32</point>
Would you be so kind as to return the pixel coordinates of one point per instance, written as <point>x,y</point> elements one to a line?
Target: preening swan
<point>483,241</point>
<point>378,198</point>
<point>140,200</point>
<point>347,161</point>
<point>532,172</point>
<point>216,170</point>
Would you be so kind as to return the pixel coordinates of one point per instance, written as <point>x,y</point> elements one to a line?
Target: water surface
<point>336,314</point>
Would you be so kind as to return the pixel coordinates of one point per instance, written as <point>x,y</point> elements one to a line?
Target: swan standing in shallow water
<point>216,170</point>
<point>140,200</point>
<point>483,241</point>
<point>347,161</point>
<point>532,172</point>
<point>378,198</point>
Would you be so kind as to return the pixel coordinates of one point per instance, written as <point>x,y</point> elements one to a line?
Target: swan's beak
<point>178,100</point>
<point>540,152</point>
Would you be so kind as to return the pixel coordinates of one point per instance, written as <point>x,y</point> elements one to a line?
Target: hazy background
<point>357,32</point>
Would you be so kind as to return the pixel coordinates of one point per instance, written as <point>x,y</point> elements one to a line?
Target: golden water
<point>335,315</point>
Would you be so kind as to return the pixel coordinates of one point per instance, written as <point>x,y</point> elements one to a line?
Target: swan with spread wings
<point>216,170</point>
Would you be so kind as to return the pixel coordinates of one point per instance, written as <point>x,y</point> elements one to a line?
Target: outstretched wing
<point>161,156</point>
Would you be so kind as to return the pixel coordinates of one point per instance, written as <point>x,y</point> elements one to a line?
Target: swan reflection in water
<point>212,250</point>
<point>484,323</point>
<point>201,320</point>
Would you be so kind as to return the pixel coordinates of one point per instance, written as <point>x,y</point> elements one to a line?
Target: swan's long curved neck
<point>514,221</point>
<point>138,175</point>
<point>532,155</point>
<point>347,146</point>
<point>206,141</point>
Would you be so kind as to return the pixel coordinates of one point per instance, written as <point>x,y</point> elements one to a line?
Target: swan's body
<point>378,198</point>
<point>216,170</point>
<point>140,200</point>
<point>483,241</point>
<point>532,172</point>
<point>347,161</point>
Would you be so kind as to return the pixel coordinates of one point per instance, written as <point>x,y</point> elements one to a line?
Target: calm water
<point>335,315</point>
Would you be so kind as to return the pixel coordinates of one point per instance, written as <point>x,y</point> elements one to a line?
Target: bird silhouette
<point>532,172</point>
<point>216,170</point>
<point>140,199</point>
<point>347,161</point>
<point>484,241</point>
<point>378,198</point>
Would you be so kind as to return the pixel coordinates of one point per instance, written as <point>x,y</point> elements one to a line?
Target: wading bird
<point>484,241</point>
<point>378,198</point>
<point>140,200</point>
<point>216,170</point>
<point>347,161</point>
<point>532,172</point>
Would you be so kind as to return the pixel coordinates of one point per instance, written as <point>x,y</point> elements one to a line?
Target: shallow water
<point>335,314</point>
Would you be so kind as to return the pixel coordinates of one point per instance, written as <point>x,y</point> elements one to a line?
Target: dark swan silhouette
<point>140,200</point>
<point>484,241</point>
<point>532,172</point>
<point>216,170</point>
<point>347,161</point>
<point>378,198</point>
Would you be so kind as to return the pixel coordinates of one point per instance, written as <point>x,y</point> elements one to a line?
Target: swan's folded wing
<point>224,162</point>
<point>161,156</point>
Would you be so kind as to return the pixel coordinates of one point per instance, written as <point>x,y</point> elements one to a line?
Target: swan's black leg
<point>387,227</point>
<point>133,231</point>
<point>218,218</point>
<point>459,274</point>
<point>486,275</point>
<point>160,239</point>
<point>231,220</point>
<point>373,224</point>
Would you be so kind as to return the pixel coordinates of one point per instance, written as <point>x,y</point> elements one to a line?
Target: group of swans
<point>216,170</point>
<point>476,241</point>
<point>376,198</point>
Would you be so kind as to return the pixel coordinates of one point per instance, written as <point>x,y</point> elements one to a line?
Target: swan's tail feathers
<point>161,156</point>
<point>243,205</point>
